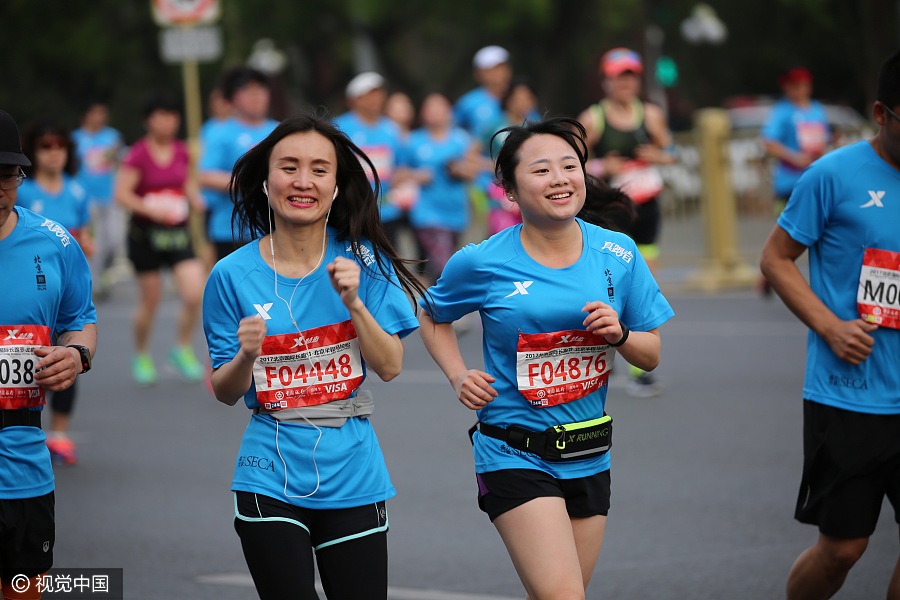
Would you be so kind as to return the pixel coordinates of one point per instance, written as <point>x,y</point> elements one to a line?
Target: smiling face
<point>549,180</point>
<point>302,179</point>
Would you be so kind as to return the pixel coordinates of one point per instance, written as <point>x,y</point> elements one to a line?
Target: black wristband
<point>625,332</point>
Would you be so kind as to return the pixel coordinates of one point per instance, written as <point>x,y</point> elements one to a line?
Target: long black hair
<point>355,216</point>
<point>605,206</point>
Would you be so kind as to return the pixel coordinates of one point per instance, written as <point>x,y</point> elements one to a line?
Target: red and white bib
<point>878,295</point>
<point>17,364</point>
<point>642,182</point>
<point>555,368</point>
<point>318,366</point>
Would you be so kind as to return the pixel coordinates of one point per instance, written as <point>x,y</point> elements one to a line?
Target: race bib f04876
<point>309,368</point>
<point>554,368</point>
<point>878,295</point>
<point>17,365</point>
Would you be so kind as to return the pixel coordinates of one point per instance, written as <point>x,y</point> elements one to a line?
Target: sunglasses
<point>51,143</point>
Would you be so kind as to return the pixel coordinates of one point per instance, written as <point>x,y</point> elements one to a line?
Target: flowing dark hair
<point>605,206</point>
<point>355,213</point>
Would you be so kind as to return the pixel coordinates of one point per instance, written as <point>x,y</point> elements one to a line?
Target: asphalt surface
<point>704,476</point>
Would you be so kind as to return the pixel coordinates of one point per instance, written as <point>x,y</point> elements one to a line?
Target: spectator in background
<point>627,137</point>
<point>98,147</point>
<point>518,104</point>
<point>441,158</point>
<point>52,191</point>
<point>380,139</point>
<point>248,92</point>
<point>479,109</point>
<point>795,134</point>
<point>153,184</point>
<point>400,109</point>
<point>218,110</point>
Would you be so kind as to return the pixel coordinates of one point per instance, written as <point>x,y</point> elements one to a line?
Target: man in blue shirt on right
<point>845,209</point>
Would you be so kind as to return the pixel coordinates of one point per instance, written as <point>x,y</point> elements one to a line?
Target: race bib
<point>383,159</point>
<point>639,180</point>
<point>173,203</point>
<point>17,364</point>
<point>555,368</point>
<point>305,369</point>
<point>812,137</point>
<point>878,295</point>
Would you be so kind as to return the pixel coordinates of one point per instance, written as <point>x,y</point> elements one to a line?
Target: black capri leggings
<point>279,553</point>
<point>62,402</point>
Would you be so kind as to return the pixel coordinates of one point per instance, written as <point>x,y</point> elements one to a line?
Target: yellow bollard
<point>193,111</point>
<point>723,267</point>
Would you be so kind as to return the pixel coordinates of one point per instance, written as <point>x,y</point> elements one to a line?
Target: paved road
<point>704,477</point>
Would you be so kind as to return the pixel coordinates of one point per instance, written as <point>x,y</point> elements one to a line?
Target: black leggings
<point>280,558</point>
<point>62,402</point>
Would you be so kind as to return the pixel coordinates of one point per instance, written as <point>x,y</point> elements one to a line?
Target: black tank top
<point>612,139</point>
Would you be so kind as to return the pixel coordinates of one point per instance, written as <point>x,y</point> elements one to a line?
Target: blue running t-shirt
<point>48,285</point>
<point>846,202</point>
<point>288,460</point>
<point>520,302</point>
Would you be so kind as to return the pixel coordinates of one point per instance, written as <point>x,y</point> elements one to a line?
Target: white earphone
<point>335,193</point>
<point>265,189</point>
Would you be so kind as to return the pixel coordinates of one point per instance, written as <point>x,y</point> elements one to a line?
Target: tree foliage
<point>60,53</point>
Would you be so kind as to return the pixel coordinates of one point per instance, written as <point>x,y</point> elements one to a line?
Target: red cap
<point>619,60</point>
<point>796,75</point>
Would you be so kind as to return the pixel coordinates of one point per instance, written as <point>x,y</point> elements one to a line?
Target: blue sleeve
<point>83,209</point>
<point>773,130</point>
<point>646,308</point>
<point>387,302</point>
<point>804,218</point>
<point>461,288</point>
<point>213,158</point>
<point>76,308</point>
<point>220,318</point>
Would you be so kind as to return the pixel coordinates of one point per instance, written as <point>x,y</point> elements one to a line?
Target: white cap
<point>489,57</point>
<point>363,84</point>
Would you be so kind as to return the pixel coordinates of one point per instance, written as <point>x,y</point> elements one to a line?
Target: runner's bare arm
<point>382,351</point>
<point>473,387</point>
<point>641,348</point>
<point>232,380</point>
<point>60,365</point>
<point>849,340</point>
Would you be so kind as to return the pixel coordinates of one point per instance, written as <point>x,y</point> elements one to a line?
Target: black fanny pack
<point>20,418</point>
<point>573,441</point>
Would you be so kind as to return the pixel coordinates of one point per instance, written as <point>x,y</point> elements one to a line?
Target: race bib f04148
<point>309,368</point>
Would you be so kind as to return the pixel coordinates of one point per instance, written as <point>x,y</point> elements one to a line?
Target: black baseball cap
<point>10,142</point>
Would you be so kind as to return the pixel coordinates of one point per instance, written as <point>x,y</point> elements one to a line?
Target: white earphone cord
<point>288,303</point>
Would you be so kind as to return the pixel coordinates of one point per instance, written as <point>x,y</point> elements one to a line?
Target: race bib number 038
<point>17,364</point>
<point>554,368</point>
<point>320,365</point>
<point>878,296</point>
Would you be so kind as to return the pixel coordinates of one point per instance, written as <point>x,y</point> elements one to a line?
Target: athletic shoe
<point>187,365</point>
<point>62,449</point>
<point>643,386</point>
<point>142,370</point>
